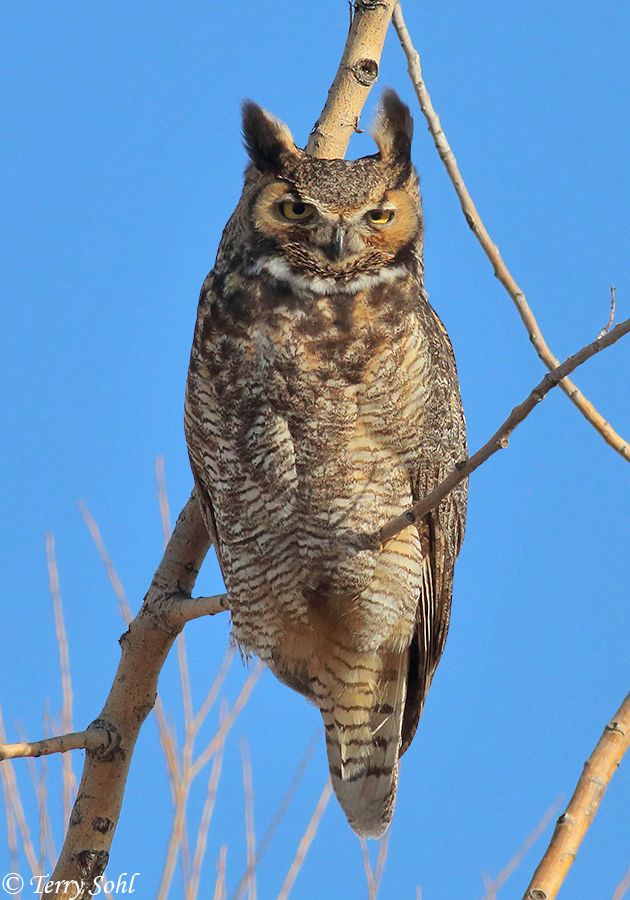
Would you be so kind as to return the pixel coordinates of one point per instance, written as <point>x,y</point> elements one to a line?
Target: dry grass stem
<point>39,787</point>
<point>381,859</point>
<point>250,834</point>
<point>15,813</point>
<point>213,693</point>
<point>230,719</point>
<point>123,603</point>
<point>179,791</point>
<point>204,826</point>
<point>491,250</point>
<point>622,887</point>
<point>374,877</point>
<point>356,75</point>
<point>165,513</point>
<point>493,886</point>
<point>184,679</point>
<point>500,439</point>
<point>14,853</point>
<point>573,824</point>
<point>219,888</point>
<point>279,814</point>
<point>369,875</point>
<point>182,777</point>
<point>168,742</point>
<point>50,844</point>
<point>305,843</point>
<point>69,781</point>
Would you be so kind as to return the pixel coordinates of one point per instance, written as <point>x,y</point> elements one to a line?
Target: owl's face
<point>331,224</point>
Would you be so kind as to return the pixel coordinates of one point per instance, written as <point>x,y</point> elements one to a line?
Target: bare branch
<point>493,886</point>
<point>123,603</point>
<point>69,781</point>
<point>607,327</point>
<point>144,648</point>
<point>491,250</point>
<point>357,74</point>
<point>305,843</point>
<point>622,887</point>
<point>92,739</point>
<point>277,817</point>
<point>500,440</point>
<point>573,824</point>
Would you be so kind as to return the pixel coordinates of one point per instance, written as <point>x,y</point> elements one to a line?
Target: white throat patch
<point>301,284</point>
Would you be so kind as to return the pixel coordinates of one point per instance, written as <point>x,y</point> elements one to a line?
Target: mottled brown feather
<point>322,400</point>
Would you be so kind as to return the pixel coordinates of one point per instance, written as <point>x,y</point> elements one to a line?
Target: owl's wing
<point>441,531</point>
<point>196,412</point>
<point>441,535</point>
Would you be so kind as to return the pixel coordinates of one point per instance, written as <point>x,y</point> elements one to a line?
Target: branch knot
<point>365,71</point>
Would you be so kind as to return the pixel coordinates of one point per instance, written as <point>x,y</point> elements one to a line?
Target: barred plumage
<point>322,400</point>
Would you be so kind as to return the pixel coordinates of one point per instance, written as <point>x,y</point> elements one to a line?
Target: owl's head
<point>326,224</point>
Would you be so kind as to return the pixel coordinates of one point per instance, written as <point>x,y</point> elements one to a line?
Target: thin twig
<point>229,720</point>
<point>165,513</point>
<point>499,440</point>
<point>14,853</point>
<point>250,834</point>
<point>69,781</point>
<point>305,843</point>
<point>212,694</point>
<point>123,603</point>
<point>39,786</point>
<point>204,825</point>
<point>374,877</point>
<point>490,249</point>
<point>219,888</point>
<point>493,886</point>
<point>14,804</point>
<point>381,859</point>
<point>622,887</point>
<point>573,824</point>
<point>278,815</point>
<point>611,319</point>
<point>367,866</point>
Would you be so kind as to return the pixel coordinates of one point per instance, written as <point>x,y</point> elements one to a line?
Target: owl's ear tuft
<point>393,131</point>
<point>266,138</point>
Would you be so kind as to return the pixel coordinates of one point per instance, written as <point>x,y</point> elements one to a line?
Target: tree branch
<point>92,739</point>
<point>574,822</point>
<point>145,646</point>
<point>499,440</point>
<point>356,75</point>
<point>491,250</point>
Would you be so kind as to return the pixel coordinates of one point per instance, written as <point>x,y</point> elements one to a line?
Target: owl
<point>322,401</point>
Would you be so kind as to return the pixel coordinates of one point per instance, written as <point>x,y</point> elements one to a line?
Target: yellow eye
<point>380,216</point>
<point>296,211</point>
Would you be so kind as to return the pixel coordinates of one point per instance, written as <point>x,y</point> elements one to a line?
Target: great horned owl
<point>322,401</point>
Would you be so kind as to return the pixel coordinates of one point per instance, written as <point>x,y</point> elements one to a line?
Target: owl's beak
<point>338,242</point>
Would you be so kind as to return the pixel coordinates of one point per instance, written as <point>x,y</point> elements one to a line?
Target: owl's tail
<point>361,699</point>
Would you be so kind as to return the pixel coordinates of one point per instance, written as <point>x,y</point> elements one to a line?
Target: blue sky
<point>121,162</point>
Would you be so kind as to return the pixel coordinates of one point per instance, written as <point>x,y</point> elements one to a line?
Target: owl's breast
<point>312,416</point>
